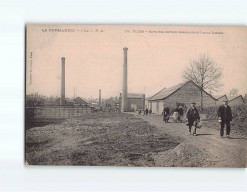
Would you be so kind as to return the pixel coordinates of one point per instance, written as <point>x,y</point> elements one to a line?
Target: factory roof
<point>134,95</point>
<point>79,100</point>
<point>231,98</point>
<point>166,92</point>
<point>220,96</point>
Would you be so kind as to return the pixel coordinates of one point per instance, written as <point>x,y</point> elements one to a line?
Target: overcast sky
<point>94,60</point>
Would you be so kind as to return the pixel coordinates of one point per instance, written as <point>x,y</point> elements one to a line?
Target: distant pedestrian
<point>175,114</point>
<point>225,118</point>
<point>146,110</point>
<point>193,118</point>
<point>176,108</point>
<point>166,113</point>
<point>180,113</point>
<point>150,111</point>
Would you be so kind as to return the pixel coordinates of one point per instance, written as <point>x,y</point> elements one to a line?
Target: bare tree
<point>233,92</point>
<point>205,72</point>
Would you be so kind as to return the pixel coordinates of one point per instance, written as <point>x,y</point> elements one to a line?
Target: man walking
<point>166,113</point>
<point>193,118</point>
<point>180,113</point>
<point>146,110</point>
<point>225,118</point>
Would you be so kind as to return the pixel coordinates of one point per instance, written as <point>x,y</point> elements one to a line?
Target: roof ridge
<point>236,97</point>
<point>157,93</point>
<point>179,86</point>
<point>220,96</point>
<point>176,88</point>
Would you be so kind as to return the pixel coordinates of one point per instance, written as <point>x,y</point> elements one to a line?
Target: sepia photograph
<point>136,95</point>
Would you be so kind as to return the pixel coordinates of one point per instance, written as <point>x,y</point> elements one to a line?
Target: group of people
<point>193,117</point>
<point>178,112</point>
<point>145,111</point>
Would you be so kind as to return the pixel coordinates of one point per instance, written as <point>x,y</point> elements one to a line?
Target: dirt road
<point>128,139</point>
<point>207,149</point>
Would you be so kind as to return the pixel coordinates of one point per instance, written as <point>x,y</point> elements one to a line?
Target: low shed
<point>136,101</point>
<point>235,101</point>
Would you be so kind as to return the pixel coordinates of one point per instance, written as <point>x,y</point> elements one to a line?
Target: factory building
<point>181,94</point>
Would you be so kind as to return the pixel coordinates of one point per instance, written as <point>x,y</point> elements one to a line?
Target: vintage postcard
<point>136,95</point>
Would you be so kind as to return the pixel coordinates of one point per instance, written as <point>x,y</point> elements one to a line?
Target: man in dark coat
<point>166,113</point>
<point>176,109</point>
<point>225,117</point>
<point>193,117</point>
<point>146,110</point>
<point>180,113</point>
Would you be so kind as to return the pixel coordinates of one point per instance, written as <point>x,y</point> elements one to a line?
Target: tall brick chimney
<point>62,98</point>
<point>100,97</point>
<point>124,103</point>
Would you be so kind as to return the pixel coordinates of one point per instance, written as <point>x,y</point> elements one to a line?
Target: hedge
<point>239,114</point>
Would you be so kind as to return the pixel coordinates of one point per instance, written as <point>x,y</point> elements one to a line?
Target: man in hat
<point>146,110</point>
<point>193,117</point>
<point>180,113</point>
<point>225,118</point>
<point>166,113</point>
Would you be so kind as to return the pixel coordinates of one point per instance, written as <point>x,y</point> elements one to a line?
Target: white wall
<point>154,107</point>
<point>161,107</point>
